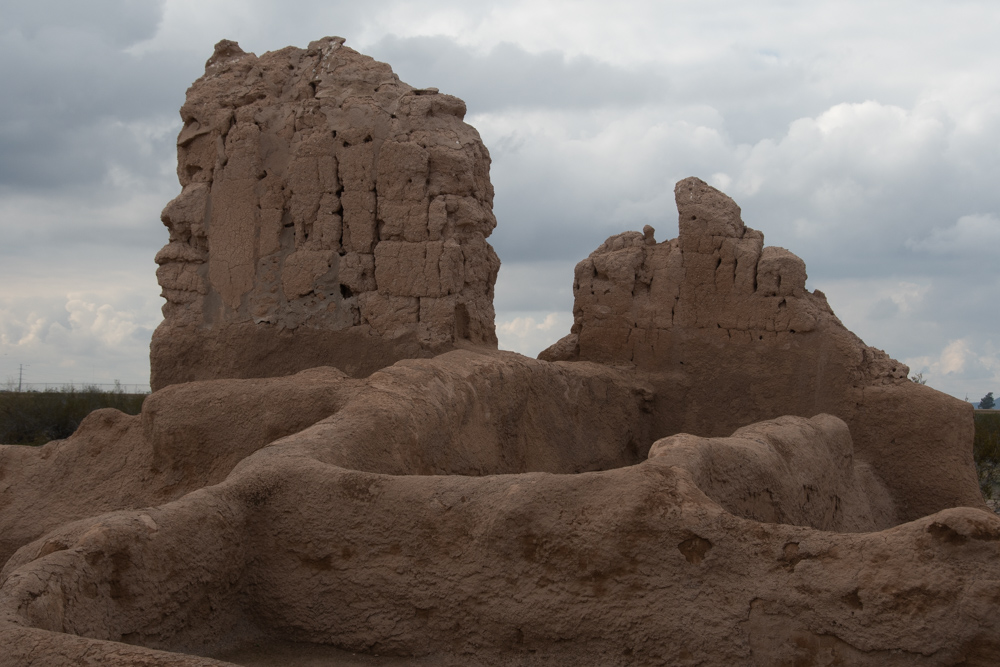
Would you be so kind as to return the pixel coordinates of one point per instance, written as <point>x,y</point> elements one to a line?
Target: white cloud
<point>960,369</point>
<point>100,321</point>
<point>80,338</point>
<point>721,180</point>
<point>953,358</point>
<point>848,154</point>
<point>519,327</point>
<point>907,296</point>
<point>531,333</point>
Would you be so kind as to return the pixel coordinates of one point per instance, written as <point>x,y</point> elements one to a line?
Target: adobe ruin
<point>338,460</point>
<point>330,215</point>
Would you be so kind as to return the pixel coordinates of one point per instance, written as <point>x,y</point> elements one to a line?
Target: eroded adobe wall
<point>629,566</point>
<point>466,412</point>
<point>470,412</point>
<point>187,437</point>
<point>330,215</point>
<point>730,336</point>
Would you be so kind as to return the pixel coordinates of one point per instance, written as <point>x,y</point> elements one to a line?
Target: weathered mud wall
<point>188,436</point>
<point>728,335</point>
<point>591,568</point>
<point>330,215</point>
<point>473,414</point>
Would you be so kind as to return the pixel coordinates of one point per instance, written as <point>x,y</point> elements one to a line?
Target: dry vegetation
<point>36,417</point>
<point>986,451</point>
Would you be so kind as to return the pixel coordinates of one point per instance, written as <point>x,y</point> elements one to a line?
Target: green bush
<point>36,417</point>
<point>986,451</point>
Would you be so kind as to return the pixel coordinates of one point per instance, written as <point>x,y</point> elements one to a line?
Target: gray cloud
<point>86,133</point>
<point>509,77</point>
<point>120,23</point>
<point>73,104</point>
<point>536,286</point>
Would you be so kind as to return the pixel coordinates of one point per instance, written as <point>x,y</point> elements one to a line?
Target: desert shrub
<point>986,451</point>
<point>36,417</point>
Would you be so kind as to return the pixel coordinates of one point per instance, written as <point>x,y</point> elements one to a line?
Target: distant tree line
<point>36,417</point>
<point>986,451</point>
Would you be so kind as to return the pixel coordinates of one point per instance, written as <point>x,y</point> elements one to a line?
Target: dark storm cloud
<point>75,100</point>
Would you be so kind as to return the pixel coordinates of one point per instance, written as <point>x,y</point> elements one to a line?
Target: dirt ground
<point>282,654</point>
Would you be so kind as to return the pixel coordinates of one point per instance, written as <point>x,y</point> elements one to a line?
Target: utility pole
<point>20,376</point>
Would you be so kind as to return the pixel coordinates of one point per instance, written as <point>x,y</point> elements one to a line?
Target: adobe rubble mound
<point>330,215</point>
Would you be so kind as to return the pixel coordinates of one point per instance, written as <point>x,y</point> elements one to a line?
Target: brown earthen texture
<point>713,472</point>
<point>385,529</point>
<point>725,331</point>
<point>330,215</point>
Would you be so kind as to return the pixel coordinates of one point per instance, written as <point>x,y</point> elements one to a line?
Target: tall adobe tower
<point>330,215</point>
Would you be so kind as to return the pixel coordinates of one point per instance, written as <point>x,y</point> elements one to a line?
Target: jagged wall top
<point>727,335</point>
<point>717,281</point>
<point>321,194</point>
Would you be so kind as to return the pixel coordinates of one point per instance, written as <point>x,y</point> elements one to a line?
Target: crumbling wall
<point>729,335</point>
<point>330,215</point>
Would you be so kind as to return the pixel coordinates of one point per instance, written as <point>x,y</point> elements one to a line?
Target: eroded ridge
<point>535,568</point>
<point>330,215</point>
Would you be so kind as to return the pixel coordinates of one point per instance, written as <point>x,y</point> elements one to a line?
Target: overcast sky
<point>863,136</point>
